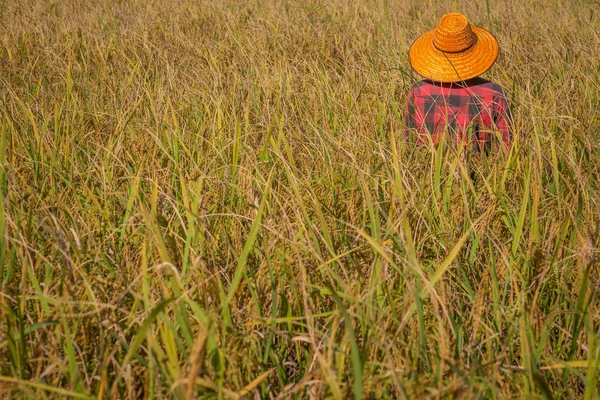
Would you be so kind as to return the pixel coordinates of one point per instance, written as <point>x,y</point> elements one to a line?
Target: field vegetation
<point>215,199</point>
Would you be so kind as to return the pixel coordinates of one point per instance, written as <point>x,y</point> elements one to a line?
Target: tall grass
<point>215,199</point>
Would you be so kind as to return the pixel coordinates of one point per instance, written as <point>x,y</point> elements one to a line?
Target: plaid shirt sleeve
<point>502,119</point>
<point>409,114</point>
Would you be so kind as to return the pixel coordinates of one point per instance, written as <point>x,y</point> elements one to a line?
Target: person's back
<point>453,98</point>
<point>475,110</point>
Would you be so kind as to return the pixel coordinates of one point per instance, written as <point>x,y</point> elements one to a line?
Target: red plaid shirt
<point>474,110</point>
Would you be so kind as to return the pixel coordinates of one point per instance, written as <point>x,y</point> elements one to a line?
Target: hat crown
<point>453,34</point>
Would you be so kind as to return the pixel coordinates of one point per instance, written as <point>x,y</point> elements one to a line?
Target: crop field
<point>216,199</point>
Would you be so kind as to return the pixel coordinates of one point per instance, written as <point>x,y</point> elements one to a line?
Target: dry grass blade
<point>45,388</point>
<point>255,382</point>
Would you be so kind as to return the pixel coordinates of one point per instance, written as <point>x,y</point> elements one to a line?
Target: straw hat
<point>454,51</point>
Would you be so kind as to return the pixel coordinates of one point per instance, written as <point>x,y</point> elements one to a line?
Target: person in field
<point>453,98</point>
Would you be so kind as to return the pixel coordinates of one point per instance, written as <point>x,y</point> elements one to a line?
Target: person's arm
<point>503,120</point>
<point>409,114</point>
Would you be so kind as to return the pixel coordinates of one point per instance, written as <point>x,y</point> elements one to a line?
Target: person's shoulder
<point>485,86</point>
<point>421,87</point>
<point>425,83</point>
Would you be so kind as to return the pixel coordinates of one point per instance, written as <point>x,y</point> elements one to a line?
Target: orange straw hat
<point>454,51</point>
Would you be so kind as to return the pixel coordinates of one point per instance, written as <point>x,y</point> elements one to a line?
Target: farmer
<point>453,98</point>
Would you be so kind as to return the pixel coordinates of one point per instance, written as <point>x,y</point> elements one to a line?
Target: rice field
<point>215,199</point>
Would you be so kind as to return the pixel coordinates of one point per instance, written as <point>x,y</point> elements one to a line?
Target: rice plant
<point>204,199</point>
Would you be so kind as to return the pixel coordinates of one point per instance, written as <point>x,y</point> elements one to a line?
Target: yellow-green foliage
<point>215,199</point>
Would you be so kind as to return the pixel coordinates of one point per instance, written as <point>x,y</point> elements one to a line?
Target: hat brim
<point>439,66</point>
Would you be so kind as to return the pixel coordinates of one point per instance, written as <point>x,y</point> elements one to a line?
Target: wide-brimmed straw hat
<point>454,51</point>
